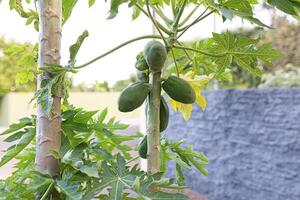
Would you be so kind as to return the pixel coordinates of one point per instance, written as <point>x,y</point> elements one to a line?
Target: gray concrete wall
<point>252,138</point>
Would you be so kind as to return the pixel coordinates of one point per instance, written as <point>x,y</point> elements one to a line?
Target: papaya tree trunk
<point>153,124</point>
<point>48,127</point>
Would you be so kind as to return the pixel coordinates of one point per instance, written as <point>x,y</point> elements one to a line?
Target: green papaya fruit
<point>142,76</point>
<point>133,96</point>
<point>179,90</point>
<point>143,147</point>
<point>163,114</point>
<point>155,55</point>
<point>141,63</point>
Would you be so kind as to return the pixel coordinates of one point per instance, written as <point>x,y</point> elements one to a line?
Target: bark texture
<point>153,122</point>
<point>49,126</point>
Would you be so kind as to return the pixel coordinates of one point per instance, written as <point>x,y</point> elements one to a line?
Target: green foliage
<point>291,7</point>
<point>184,158</point>
<point>242,50</point>
<point>17,66</point>
<point>96,87</point>
<point>55,81</point>
<point>122,84</point>
<point>75,47</point>
<point>31,15</point>
<point>93,158</point>
<point>67,7</point>
<point>56,84</point>
<point>287,76</point>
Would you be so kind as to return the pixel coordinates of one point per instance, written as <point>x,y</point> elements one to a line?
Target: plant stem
<point>116,48</point>
<point>153,123</point>
<point>185,51</point>
<point>133,159</point>
<point>155,24</point>
<point>44,197</point>
<point>158,24</point>
<point>176,66</point>
<point>178,16</point>
<point>193,23</point>
<point>189,15</point>
<point>48,127</point>
<point>199,51</point>
<point>161,14</point>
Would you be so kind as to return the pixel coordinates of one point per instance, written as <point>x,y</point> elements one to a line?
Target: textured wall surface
<point>252,138</point>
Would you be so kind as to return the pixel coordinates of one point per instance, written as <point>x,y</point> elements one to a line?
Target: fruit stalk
<point>153,124</point>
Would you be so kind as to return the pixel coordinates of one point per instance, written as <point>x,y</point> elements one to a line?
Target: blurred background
<point>250,129</point>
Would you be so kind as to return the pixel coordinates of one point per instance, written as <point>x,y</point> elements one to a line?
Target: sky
<point>104,35</point>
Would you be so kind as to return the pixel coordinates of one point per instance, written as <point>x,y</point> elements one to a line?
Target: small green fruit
<point>155,55</point>
<point>133,96</point>
<point>163,114</point>
<point>179,90</point>
<point>143,147</point>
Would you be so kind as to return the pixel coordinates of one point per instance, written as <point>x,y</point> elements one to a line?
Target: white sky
<point>104,35</point>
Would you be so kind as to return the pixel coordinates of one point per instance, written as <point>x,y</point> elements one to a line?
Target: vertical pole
<point>48,127</point>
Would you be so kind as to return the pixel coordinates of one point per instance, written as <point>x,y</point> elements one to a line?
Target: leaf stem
<point>131,160</point>
<point>176,66</point>
<point>116,48</point>
<point>161,14</point>
<point>199,51</point>
<point>44,197</point>
<point>164,29</point>
<point>201,17</point>
<point>155,24</point>
<point>185,51</point>
<point>178,16</point>
<point>189,16</point>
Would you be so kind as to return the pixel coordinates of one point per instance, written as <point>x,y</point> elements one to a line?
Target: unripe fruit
<point>155,55</point>
<point>133,96</point>
<point>179,90</point>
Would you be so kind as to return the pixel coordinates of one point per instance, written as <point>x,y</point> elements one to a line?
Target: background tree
<point>17,66</point>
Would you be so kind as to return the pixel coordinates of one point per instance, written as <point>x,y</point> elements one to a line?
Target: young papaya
<point>163,114</point>
<point>155,55</point>
<point>141,63</point>
<point>142,76</point>
<point>179,90</point>
<point>143,147</point>
<point>133,96</point>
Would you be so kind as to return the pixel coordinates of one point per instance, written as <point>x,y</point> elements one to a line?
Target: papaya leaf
<point>56,84</point>
<point>67,8</point>
<point>91,2</point>
<point>288,6</point>
<point>184,155</point>
<point>24,122</point>
<point>114,8</point>
<point>14,150</point>
<point>243,50</point>
<point>70,190</point>
<point>75,47</point>
<point>117,179</point>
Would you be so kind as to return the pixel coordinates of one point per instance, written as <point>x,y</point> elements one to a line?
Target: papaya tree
<point>79,154</point>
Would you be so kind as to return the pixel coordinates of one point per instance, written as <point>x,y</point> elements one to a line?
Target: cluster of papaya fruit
<point>152,60</point>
